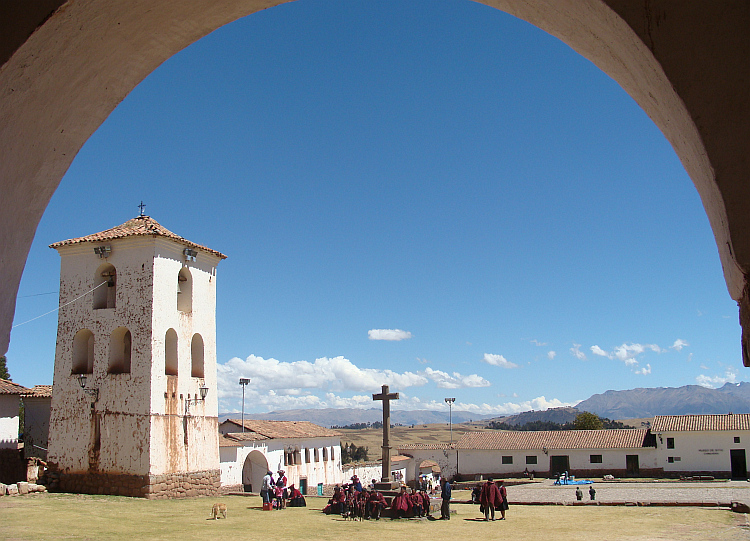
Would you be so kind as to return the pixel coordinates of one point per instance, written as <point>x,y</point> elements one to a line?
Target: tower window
<point>170,353</point>
<point>105,281</point>
<point>83,352</point>
<point>184,290</point>
<point>119,351</point>
<point>196,354</point>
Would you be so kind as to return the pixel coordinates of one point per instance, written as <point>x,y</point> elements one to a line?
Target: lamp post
<point>243,382</point>
<point>450,402</point>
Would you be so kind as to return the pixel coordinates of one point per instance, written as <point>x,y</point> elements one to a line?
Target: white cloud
<point>539,403</point>
<point>730,376</point>
<point>596,350</point>
<point>644,371</point>
<point>455,380</point>
<point>538,343</point>
<point>393,335</point>
<point>577,353</point>
<point>551,355</point>
<point>422,361</point>
<point>703,367</point>
<point>679,344</point>
<point>498,360</point>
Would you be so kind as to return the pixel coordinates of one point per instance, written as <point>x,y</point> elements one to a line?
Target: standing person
<point>579,494</point>
<point>490,498</point>
<point>266,486</point>
<point>281,492</point>
<point>445,495</point>
<point>504,502</point>
<point>592,493</point>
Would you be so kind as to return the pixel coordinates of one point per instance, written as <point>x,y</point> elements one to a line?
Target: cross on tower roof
<point>142,206</point>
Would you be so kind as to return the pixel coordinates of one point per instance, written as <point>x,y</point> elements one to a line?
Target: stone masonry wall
<point>171,485</point>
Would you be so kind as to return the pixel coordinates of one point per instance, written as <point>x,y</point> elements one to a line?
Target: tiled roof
<point>139,226</point>
<point>8,387</point>
<point>553,439</point>
<point>284,429</point>
<point>246,436</point>
<point>730,421</point>
<point>40,391</point>
<point>399,458</point>
<point>225,440</point>
<point>423,446</point>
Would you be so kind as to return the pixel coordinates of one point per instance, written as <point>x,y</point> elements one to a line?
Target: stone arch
<point>66,65</point>
<point>171,353</point>
<point>105,296</point>
<point>253,470</point>
<point>83,352</point>
<point>120,348</point>
<point>197,356</point>
<point>185,290</point>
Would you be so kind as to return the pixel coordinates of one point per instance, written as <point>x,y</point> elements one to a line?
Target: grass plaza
<point>74,516</point>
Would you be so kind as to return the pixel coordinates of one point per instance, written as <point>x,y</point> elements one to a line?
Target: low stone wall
<point>579,473</point>
<point>171,485</point>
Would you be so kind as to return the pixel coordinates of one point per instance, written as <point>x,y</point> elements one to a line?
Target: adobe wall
<point>171,485</point>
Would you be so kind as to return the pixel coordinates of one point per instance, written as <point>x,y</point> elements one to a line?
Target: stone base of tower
<point>168,485</point>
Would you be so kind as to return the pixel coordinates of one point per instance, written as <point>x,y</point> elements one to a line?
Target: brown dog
<point>219,508</point>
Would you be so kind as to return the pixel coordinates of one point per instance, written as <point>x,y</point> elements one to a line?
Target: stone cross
<point>386,398</point>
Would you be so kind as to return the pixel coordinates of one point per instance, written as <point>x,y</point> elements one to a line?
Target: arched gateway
<point>253,470</point>
<point>65,65</point>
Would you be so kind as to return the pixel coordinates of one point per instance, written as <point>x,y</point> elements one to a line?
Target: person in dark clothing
<point>490,498</point>
<point>445,495</point>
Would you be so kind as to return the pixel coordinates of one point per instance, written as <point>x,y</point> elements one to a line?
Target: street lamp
<point>450,402</point>
<point>243,382</point>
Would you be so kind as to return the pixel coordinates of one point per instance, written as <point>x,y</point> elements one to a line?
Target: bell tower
<point>134,402</point>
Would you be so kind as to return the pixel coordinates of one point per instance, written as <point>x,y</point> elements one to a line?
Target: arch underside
<point>65,66</point>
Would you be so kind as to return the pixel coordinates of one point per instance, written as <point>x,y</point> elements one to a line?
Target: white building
<point>674,446</point>
<point>309,454</point>
<point>137,327</point>
<point>703,444</point>
<point>10,402</point>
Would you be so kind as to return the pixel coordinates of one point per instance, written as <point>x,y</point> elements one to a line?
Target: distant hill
<point>555,415</point>
<point>347,416</point>
<point>690,399</point>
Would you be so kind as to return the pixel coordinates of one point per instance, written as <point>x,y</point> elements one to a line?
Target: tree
<point>587,421</point>
<point>4,374</point>
<point>352,453</point>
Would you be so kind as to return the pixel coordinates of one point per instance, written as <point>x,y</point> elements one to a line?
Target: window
<point>83,352</point>
<point>670,459</point>
<point>307,456</point>
<point>595,459</point>
<point>736,439</point>
<point>531,459</point>
<point>119,351</point>
<point>316,456</point>
<point>196,356</point>
<point>185,290</point>
<point>325,454</point>
<point>670,443</point>
<point>333,453</point>
<point>677,458</point>
<point>507,460</point>
<point>105,295</point>
<point>170,353</point>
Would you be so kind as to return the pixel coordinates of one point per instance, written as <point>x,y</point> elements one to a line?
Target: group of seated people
<point>352,500</point>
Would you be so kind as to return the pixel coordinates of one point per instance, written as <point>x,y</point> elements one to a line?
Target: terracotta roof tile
<point>40,391</point>
<point>246,436</point>
<point>730,421</point>
<point>284,429</point>
<point>553,439</point>
<point>225,440</point>
<point>140,226</point>
<point>8,387</point>
<point>423,446</point>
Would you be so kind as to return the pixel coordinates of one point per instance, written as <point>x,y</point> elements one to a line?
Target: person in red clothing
<point>504,500</point>
<point>425,503</point>
<point>401,504</point>
<point>490,498</point>
<point>375,504</point>
<point>416,503</point>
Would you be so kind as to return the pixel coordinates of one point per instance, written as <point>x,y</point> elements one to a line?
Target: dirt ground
<point>67,516</point>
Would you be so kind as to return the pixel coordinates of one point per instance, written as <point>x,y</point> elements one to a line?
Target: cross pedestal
<point>386,483</point>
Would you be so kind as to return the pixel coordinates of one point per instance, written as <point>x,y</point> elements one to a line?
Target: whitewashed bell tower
<point>134,402</point>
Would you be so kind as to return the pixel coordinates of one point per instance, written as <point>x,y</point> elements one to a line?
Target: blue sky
<point>434,167</point>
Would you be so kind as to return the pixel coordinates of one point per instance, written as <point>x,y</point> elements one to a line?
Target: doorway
<point>253,470</point>
<point>739,463</point>
<point>558,464</point>
<point>631,465</point>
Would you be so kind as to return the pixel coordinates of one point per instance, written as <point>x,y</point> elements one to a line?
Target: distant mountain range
<point>632,404</point>
<point>347,416</point>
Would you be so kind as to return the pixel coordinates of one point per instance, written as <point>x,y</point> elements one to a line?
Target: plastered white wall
<point>700,450</point>
<point>9,421</point>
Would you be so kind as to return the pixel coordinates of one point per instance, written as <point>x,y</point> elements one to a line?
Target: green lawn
<point>68,516</point>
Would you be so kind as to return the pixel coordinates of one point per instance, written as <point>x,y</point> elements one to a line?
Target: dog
<point>219,508</point>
